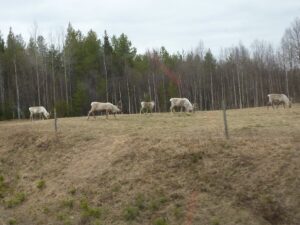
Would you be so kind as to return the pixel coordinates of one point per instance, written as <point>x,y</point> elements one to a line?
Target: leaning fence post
<point>55,121</point>
<point>225,120</point>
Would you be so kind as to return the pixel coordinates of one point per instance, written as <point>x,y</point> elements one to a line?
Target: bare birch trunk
<point>53,80</point>
<point>287,82</point>
<point>120,96</point>
<point>165,95</point>
<point>135,100</point>
<point>211,91</point>
<point>234,91</point>
<point>46,86</point>
<point>36,62</point>
<point>17,89</point>
<point>149,88</point>
<point>66,80</point>
<point>70,86</point>
<point>105,69</point>
<point>114,90</point>
<point>128,95</point>
<point>200,94</point>
<point>37,78</point>
<point>256,104</point>
<point>155,95</point>
<point>240,91</point>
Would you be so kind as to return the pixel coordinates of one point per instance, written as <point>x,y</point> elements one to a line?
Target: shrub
<point>12,221</point>
<point>68,203</point>
<point>215,222</point>
<point>131,213</point>
<point>41,184</point>
<point>88,211</point>
<point>2,187</point>
<point>271,209</point>
<point>160,221</point>
<point>140,202</point>
<point>72,191</point>
<point>178,212</point>
<point>16,200</point>
<point>155,204</point>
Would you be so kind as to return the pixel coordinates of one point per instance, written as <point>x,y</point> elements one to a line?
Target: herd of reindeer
<point>183,103</point>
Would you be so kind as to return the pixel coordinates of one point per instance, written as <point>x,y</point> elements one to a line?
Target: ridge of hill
<point>153,169</point>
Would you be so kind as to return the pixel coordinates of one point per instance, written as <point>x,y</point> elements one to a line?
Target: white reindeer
<point>278,99</point>
<point>148,106</point>
<point>181,102</point>
<point>103,106</point>
<point>40,110</point>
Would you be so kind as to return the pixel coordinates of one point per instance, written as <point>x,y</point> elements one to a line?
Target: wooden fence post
<point>55,121</point>
<point>225,119</point>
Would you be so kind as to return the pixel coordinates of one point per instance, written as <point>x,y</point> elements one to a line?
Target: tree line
<point>69,74</point>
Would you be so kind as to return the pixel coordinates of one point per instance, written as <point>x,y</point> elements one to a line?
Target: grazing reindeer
<point>101,106</point>
<point>181,102</point>
<point>278,99</point>
<point>148,106</point>
<point>40,110</point>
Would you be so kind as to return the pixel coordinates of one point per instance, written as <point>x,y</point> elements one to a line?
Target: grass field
<point>153,169</point>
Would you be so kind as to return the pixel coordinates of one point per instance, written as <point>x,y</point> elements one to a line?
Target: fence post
<point>225,119</point>
<point>55,121</point>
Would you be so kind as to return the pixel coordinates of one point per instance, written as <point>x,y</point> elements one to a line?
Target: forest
<point>67,75</point>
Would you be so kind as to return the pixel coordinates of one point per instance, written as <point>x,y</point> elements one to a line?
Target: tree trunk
<point>46,86</point>
<point>165,94</point>
<point>200,94</point>
<point>256,104</point>
<point>37,77</point>
<point>17,90</point>
<point>240,91</point>
<point>2,93</point>
<point>120,96</point>
<point>128,95</point>
<point>53,79</point>
<point>105,70</point>
<point>287,82</point>
<point>66,81</point>
<point>234,92</point>
<point>135,100</point>
<point>155,95</point>
<point>211,91</point>
<point>149,88</point>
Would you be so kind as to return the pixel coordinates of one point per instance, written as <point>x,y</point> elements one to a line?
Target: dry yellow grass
<point>153,169</point>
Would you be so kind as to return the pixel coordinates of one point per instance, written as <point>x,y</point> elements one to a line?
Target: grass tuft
<point>16,200</point>
<point>41,184</point>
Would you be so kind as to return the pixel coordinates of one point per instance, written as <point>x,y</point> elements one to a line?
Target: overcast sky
<point>177,25</point>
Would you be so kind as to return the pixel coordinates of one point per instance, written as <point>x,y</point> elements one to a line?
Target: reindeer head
<point>47,115</point>
<point>119,105</point>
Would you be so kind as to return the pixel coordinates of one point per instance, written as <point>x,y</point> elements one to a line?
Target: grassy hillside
<point>160,169</point>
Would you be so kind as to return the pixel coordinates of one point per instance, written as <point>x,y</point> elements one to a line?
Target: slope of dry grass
<point>159,169</point>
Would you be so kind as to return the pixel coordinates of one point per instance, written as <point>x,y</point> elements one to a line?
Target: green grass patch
<point>16,200</point>
<point>12,221</point>
<point>2,187</point>
<point>178,212</point>
<point>131,213</point>
<point>67,203</point>
<point>41,184</point>
<point>88,211</point>
<point>160,221</point>
<point>72,191</point>
<point>215,221</point>
<point>156,203</point>
<point>140,202</point>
